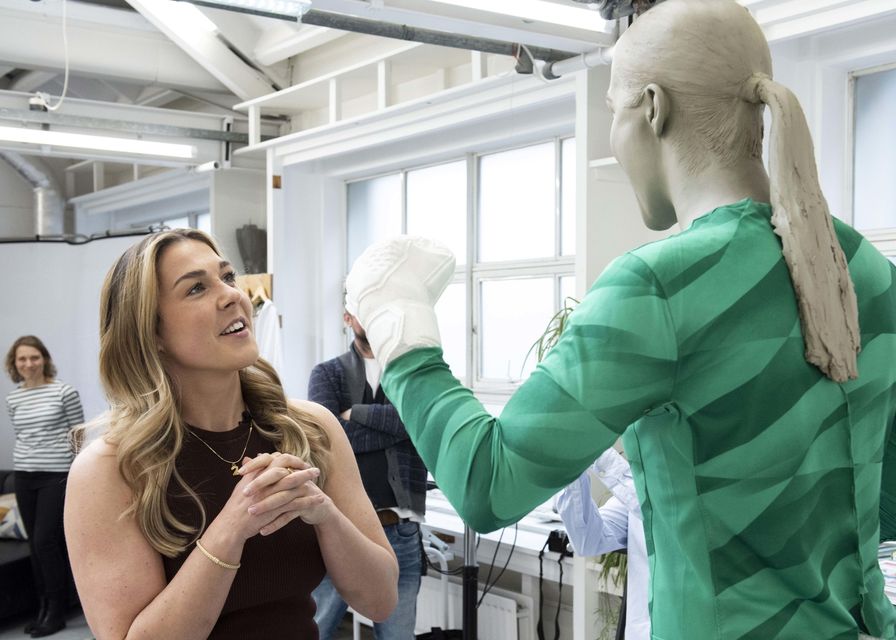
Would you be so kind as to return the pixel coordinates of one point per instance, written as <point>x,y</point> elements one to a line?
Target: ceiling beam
<point>284,41</point>
<point>204,47</point>
<point>785,19</point>
<point>102,44</point>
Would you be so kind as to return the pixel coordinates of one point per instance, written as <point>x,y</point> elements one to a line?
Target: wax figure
<point>211,506</point>
<point>726,356</point>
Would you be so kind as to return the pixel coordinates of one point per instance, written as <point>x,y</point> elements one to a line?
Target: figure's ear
<point>657,102</point>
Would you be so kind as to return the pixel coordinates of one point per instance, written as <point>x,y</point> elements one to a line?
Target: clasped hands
<point>275,489</point>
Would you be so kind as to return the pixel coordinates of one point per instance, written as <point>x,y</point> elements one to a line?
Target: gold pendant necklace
<point>234,469</point>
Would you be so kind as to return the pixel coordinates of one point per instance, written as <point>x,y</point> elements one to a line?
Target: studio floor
<point>77,629</point>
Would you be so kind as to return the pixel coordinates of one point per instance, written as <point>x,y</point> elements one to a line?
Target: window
<point>874,190</point>
<point>516,204</point>
<point>513,213</point>
<point>437,205</point>
<point>374,212</point>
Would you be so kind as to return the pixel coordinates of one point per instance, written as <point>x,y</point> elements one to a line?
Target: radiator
<point>503,615</point>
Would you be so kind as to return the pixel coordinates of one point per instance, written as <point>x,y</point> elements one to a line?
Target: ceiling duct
<point>49,208</point>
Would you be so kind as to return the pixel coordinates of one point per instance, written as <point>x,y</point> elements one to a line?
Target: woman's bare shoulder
<point>97,462</point>
<point>319,412</point>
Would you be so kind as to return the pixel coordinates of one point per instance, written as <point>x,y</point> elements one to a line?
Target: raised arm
<point>615,361</point>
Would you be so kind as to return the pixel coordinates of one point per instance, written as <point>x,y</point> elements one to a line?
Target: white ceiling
<point>138,53</point>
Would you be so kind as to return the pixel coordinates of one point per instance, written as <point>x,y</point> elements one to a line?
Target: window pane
<point>437,205</point>
<point>516,204</point>
<point>374,212</point>
<point>177,223</point>
<point>204,222</point>
<point>452,316</point>
<point>567,289</point>
<point>568,197</point>
<point>514,314</point>
<point>875,151</point>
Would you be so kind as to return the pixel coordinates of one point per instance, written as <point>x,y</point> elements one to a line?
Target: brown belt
<point>388,517</point>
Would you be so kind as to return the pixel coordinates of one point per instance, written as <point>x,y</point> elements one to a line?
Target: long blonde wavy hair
<point>144,418</point>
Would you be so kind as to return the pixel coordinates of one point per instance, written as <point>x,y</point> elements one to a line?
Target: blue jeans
<point>405,540</point>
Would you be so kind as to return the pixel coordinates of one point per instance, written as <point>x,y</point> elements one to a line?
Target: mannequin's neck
<point>696,195</point>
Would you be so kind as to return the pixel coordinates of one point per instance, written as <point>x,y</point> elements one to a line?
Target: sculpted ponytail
<point>824,291</point>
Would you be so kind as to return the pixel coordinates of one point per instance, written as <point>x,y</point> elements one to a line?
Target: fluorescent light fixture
<point>538,10</point>
<point>288,9</point>
<point>128,146</point>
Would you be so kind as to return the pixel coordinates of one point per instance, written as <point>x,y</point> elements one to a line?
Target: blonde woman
<point>750,373</point>
<point>211,506</point>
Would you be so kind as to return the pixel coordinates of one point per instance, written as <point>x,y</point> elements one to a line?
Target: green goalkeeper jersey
<point>760,479</point>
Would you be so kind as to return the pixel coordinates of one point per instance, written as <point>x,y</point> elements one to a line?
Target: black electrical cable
<point>540,628</point>
<point>451,572</point>
<point>79,238</point>
<point>491,566</point>
<point>489,587</point>
<point>559,598</point>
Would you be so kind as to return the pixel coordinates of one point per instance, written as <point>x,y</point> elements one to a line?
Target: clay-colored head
<point>689,82</point>
<point>678,77</point>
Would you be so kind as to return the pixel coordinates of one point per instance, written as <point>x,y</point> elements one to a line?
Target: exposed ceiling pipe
<point>596,58</point>
<point>426,36</point>
<point>49,208</point>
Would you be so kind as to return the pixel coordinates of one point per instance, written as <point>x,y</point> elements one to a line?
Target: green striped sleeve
<point>615,361</point>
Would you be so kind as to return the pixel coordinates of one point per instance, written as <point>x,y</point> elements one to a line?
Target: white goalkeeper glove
<point>392,289</point>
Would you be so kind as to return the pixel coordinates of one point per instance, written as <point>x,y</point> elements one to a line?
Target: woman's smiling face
<point>30,365</point>
<point>205,320</point>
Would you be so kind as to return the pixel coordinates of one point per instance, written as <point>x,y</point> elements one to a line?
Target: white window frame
<point>883,239</point>
<point>473,273</point>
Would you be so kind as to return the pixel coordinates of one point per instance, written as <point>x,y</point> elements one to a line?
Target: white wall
<point>237,197</point>
<point>51,290</point>
<point>308,269</point>
<point>16,204</point>
<point>817,69</point>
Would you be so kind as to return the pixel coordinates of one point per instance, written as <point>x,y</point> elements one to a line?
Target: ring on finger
<point>288,470</point>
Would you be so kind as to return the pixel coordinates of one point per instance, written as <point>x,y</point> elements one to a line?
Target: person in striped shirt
<point>747,361</point>
<point>43,411</point>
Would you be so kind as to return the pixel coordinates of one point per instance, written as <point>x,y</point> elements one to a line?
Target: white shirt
<point>616,525</point>
<point>373,371</point>
<point>267,335</point>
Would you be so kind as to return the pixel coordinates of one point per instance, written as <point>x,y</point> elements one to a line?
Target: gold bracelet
<point>217,561</point>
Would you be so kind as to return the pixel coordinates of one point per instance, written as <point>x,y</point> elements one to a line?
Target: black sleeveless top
<point>271,594</point>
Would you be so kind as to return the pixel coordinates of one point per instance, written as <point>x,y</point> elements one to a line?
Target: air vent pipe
<point>49,208</point>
